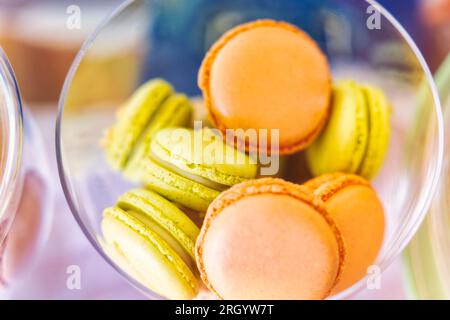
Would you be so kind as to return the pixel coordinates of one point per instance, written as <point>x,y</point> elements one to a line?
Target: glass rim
<point>13,138</point>
<point>401,240</point>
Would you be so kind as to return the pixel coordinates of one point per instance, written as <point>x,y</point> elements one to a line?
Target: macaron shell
<point>176,111</point>
<point>172,186</point>
<point>359,215</point>
<point>379,131</point>
<point>204,154</point>
<point>323,181</point>
<point>133,117</point>
<point>163,212</point>
<point>268,75</point>
<point>151,258</point>
<point>342,144</point>
<point>293,254</point>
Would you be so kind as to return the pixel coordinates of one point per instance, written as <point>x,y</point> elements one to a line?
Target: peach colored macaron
<point>267,239</point>
<point>267,74</point>
<point>355,207</point>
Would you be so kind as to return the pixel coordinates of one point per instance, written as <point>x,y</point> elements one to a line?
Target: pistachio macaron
<point>153,241</point>
<point>191,167</point>
<point>356,138</point>
<point>153,106</point>
<point>359,215</point>
<point>269,239</point>
<point>267,75</point>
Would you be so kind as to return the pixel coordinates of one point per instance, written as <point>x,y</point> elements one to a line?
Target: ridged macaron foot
<point>153,241</point>
<point>191,167</point>
<point>359,215</point>
<point>356,137</point>
<point>266,75</point>
<point>269,239</point>
<point>153,106</point>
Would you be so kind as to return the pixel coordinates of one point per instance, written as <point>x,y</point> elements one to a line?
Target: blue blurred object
<point>182,31</point>
<point>406,12</point>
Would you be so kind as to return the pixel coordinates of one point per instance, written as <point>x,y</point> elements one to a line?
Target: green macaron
<point>153,240</point>
<point>356,138</point>
<point>152,107</point>
<point>191,167</point>
<point>379,132</point>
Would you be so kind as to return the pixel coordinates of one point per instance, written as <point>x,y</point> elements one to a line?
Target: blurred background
<point>42,38</point>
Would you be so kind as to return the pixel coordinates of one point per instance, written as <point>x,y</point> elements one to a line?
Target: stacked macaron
<point>294,242</point>
<point>261,238</point>
<point>153,241</point>
<point>152,107</point>
<point>188,174</point>
<point>356,137</point>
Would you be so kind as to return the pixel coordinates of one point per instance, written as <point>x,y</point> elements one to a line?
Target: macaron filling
<point>188,175</point>
<point>164,235</point>
<point>147,255</point>
<point>203,153</point>
<point>152,210</point>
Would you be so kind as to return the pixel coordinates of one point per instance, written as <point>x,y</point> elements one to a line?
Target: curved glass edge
<point>35,161</point>
<point>424,273</point>
<point>11,177</point>
<point>58,143</point>
<point>424,202</point>
<point>402,241</point>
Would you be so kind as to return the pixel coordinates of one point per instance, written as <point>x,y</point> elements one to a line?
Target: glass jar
<point>27,34</point>
<point>25,197</point>
<point>362,41</point>
<point>427,259</point>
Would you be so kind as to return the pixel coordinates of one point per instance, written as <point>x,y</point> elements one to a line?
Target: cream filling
<point>165,235</point>
<point>190,176</point>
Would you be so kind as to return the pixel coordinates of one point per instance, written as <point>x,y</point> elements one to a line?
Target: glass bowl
<point>25,196</point>
<point>427,258</point>
<point>168,39</point>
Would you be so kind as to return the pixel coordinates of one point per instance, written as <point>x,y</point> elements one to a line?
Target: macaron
<point>152,240</point>
<point>359,215</point>
<point>267,75</point>
<point>191,167</point>
<point>356,138</point>
<point>152,107</point>
<point>269,239</point>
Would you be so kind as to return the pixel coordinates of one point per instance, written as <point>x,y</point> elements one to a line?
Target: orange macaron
<point>269,239</point>
<point>267,75</point>
<point>359,215</point>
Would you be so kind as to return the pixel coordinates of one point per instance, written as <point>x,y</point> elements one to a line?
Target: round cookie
<point>267,239</point>
<point>153,241</point>
<point>267,75</point>
<point>356,137</point>
<point>358,212</point>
